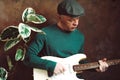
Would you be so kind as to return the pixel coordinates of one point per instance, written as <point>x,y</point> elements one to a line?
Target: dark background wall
<point>100,25</point>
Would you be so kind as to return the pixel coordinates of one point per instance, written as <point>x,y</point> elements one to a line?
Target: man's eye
<point>70,20</point>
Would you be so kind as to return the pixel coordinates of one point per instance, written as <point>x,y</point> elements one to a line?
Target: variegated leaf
<point>11,43</point>
<point>27,11</point>
<point>35,18</point>
<point>19,54</point>
<point>36,29</point>
<point>10,32</point>
<point>26,39</point>
<point>3,73</point>
<point>9,62</point>
<point>24,30</point>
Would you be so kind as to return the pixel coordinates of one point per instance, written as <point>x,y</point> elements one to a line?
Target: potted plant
<point>12,35</point>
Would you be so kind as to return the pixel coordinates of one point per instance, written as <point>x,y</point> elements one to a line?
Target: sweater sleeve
<point>81,50</point>
<point>33,60</point>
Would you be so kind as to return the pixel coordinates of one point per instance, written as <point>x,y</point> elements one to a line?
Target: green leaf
<point>36,29</point>
<point>26,39</point>
<point>29,15</point>
<point>11,43</point>
<point>10,32</point>
<point>9,61</point>
<point>19,54</point>
<point>27,11</point>
<point>42,18</point>
<point>35,18</point>
<point>3,73</point>
<point>24,30</point>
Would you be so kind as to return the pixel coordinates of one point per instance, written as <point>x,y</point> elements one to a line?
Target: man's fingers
<point>104,59</point>
<point>103,65</point>
<point>59,69</point>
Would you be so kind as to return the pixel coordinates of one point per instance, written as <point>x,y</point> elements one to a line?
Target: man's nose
<point>75,23</point>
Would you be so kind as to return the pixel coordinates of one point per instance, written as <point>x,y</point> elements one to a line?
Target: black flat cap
<point>70,8</point>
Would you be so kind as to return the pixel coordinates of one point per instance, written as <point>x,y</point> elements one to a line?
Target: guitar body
<point>69,74</point>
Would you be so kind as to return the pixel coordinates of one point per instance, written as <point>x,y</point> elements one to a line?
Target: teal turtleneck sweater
<point>56,42</point>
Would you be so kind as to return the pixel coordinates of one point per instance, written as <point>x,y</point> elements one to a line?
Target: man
<point>62,39</point>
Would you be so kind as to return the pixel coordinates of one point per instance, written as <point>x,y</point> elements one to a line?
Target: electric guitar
<point>72,67</point>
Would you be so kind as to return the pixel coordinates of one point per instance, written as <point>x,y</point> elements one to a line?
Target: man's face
<point>69,23</point>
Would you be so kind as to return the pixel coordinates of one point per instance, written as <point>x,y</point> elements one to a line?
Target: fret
<point>93,65</point>
<point>113,62</point>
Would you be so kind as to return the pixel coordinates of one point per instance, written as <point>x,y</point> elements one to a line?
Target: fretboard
<point>93,65</point>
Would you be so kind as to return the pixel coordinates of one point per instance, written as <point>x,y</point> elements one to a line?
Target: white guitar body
<point>69,74</point>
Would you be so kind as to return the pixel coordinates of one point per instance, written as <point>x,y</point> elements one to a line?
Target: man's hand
<point>103,65</point>
<point>59,68</point>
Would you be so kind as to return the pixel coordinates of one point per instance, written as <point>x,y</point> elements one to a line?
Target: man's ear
<point>58,16</point>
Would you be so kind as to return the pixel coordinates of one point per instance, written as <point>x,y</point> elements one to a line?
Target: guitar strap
<point>50,73</point>
<point>80,76</point>
<point>83,61</point>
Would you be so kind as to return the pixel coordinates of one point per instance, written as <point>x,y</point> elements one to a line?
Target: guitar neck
<point>93,65</point>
